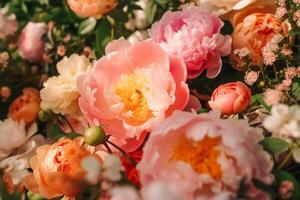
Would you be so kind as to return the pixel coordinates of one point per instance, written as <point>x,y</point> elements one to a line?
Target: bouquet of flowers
<point>149,99</point>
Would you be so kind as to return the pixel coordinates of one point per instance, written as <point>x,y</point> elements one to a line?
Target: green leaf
<point>274,145</point>
<point>103,35</point>
<point>87,25</point>
<point>162,2</point>
<point>264,187</point>
<point>24,7</point>
<point>55,132</point>
<point>258,99</point>
<point>151,10</point>
<point>119,15</point>
<point>296,88</point>
<point>285,176</point>
<point>243,189</point>
<point>294,32</point>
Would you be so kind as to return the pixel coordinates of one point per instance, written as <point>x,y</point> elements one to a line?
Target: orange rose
<point>254,32</point>
<point>231,98</point>
<point>57,169</point>
<point>259,7</point>
<point>26,106</point>
<point>92,8</point>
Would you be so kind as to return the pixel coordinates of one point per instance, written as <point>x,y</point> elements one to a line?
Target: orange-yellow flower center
<point>200,155</point>
<point>131,88</point>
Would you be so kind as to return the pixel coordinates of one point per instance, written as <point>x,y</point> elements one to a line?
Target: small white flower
<point>124,193</point>
<point>92,167</point>
<point>112,167</point>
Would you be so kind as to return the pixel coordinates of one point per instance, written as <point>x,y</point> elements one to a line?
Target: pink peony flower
<point>231,98</point>
<point>206,156</point>
<point>132,89</point>
<point>8,24</point>
<point>194,35</point>
<point>30,43</point>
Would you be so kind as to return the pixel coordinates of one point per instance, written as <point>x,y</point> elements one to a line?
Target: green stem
<point>275,72</point>
<point>131,160</point>
<point>286,159</point>
<point>68,123</point>
<point>108,148</point>
<point>263,73</point>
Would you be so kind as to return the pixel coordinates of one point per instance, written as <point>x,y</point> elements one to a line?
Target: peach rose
<point>231,98</point>
<point>254,32</point>
<point>57,169</point>
<point>132,89</point>
<point>92,8</point>
<point>26,106</point>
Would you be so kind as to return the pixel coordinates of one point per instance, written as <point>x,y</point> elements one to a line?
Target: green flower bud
<point>34,196</point>
<point>45,115</point>
<point>94,136</point>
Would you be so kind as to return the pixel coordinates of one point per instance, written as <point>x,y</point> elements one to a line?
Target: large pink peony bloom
<point>203,156</point>
<point>194,35</point>
<point>30,43</point>
<point>132,89</point>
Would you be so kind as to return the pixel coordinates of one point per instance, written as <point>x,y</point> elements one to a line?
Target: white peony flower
<point>13,135</point>
<point>221,7</point>
<point>16,165</point>
<point>60,93</point>
<point>284,122</point>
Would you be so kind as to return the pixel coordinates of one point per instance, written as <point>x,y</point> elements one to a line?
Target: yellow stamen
<point>201,155</point>
<point>131,88</point>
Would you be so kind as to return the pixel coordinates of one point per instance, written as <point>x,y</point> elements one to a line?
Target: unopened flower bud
<point>45,115</point>
<point>94,136</point>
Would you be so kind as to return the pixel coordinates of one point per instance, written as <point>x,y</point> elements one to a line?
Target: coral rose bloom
<point>92,8</point>
<point>254,32</point>
<point>132,88</point>
<point>231,98</point>
<point>57,169</point>
<point>26,106</point>
<point>203,156</point>
<point>194,35</point>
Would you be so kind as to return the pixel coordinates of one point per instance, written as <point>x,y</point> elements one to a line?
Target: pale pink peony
<point>8,24</point>
<point>30,43</point>
<point>231,98</point>
<point>206,156</point>
<point>273,97</point>
<point>194,35</point>
<point>132,89</point>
